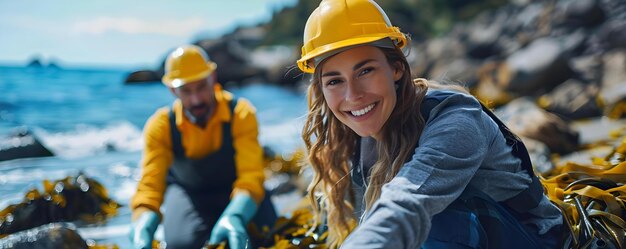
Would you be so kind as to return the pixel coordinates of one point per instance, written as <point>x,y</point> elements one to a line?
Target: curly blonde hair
<point>331,144</point>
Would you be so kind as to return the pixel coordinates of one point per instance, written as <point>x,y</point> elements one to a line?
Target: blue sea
<point>93,123</point>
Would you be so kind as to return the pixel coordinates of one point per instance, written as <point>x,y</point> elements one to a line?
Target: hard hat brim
<point>305,63</point>
<point>174,82</point>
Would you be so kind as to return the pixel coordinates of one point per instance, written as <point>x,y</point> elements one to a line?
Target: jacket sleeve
<point>157,157</point>
<point>248,151</point>
<point>452,147</point>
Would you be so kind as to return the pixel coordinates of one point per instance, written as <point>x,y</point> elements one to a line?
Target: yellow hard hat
<point>187,64</point>
<point>338,24</point>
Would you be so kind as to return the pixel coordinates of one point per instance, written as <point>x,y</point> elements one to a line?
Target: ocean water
<point>92,122</point>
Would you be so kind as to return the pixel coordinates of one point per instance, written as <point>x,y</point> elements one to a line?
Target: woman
<point>416,168</point>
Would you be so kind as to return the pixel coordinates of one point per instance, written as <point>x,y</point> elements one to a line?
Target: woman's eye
<point>366,70</point>
<point>333,82</point>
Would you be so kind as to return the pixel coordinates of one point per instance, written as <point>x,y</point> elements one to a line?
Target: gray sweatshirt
<point>459,145</point>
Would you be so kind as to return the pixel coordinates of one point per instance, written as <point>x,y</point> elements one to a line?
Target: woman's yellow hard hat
<point>336,24</point>
<point>187,64</point>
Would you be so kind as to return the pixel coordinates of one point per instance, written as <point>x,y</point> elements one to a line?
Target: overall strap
<point>177,145</point>
<point>227,138</point>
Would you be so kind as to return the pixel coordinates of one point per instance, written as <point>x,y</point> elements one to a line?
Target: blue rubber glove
<point>231,225</point>
<point>142,230</point>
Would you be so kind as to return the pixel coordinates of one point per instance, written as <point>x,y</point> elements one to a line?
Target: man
<point>205,152</point>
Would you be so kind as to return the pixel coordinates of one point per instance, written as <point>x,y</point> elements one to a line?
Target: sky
<point>117,33</point>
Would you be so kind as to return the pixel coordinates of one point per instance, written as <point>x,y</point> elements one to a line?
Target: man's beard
<point>202,115</point>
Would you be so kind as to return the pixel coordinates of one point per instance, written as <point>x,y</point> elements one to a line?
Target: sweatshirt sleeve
<point>452,147</point>
<point>248,151</point>
<point>157,156</point>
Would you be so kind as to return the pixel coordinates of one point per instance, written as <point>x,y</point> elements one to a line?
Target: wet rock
<point>143,76</point>
<point>584,13</point>
<point>444,48</point>
<point>231,54</point>
<point>460,70</point>
<point>487,90</point>
<point>613,90</point>
<point>483,34</point>
<point>573,100</point>
<point>615,101</point>
<point>541,65</point>
<point>440,54</point>
<point>526,119</point>
<point>35,62</point>
<point>574,42</point>
<point>539,155</point>
<point>69,199</point>
<point>528,16</point>
<point>614,68</point>
<point>588,67</point>
<point>22,144</point>
<point>418,60</point>
<point>613,34</point>
<point>278,63</point>
<point>50,236</point>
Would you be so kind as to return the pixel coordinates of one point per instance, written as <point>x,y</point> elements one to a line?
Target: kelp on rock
<point>70,199</point>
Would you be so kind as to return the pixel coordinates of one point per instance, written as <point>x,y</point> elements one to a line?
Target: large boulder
<point>482,35</point>
<point>583,13</point>
<point>146,75</point>
<point>540,66</point>
<point>22,144</point>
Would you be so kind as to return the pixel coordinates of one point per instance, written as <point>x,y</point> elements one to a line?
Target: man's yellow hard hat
<point>336,24</point>
<point>187,64</point>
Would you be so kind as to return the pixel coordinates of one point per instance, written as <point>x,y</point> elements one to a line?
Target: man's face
<point>197,97</point>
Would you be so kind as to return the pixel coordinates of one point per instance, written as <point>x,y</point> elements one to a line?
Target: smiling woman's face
<point>358,86</point>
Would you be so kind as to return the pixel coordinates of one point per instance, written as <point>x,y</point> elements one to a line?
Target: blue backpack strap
<point>530,197</point>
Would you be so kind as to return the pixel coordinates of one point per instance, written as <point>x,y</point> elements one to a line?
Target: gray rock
<point>539,155</point>
<point>613,91</point>
<point>614,68</point>
<point>588,67</point>
<point>584,13</point>
<point>526,119</point>
<point>542,65</point>
<point>143,76</point>
<point>22,144</point>
<point>460,70</point>
<point>613,34</point>
<point>482,36</point>
<point>573,100</point>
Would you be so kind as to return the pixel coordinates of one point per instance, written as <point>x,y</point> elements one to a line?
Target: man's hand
<point>142,230</point>
<point>233,229</point>
<point>232,224</point>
